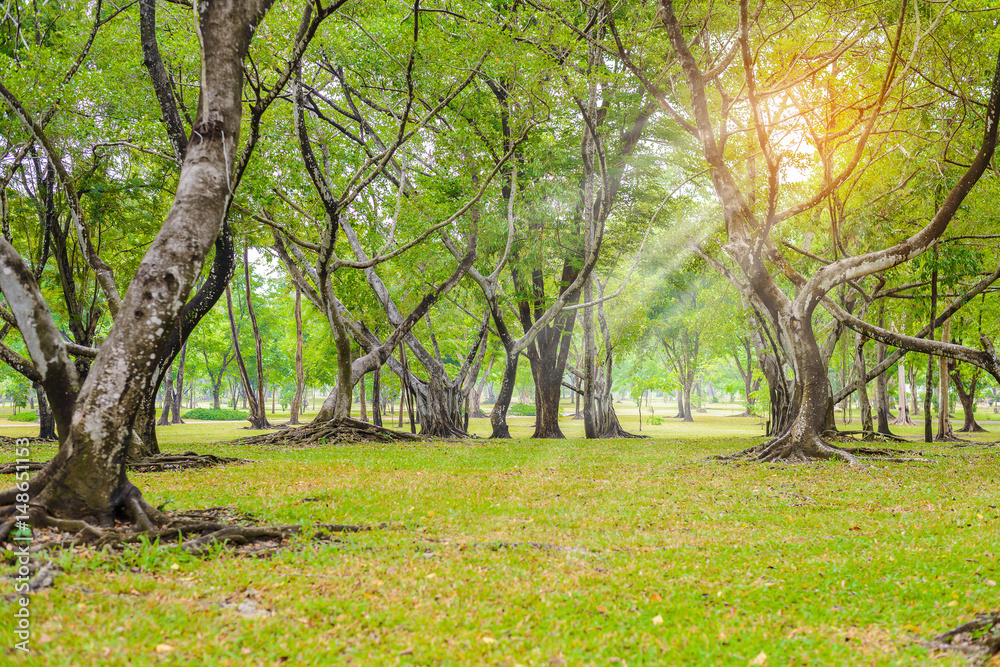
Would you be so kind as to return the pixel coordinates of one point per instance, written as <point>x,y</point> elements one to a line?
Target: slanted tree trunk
<point>258,420</point>
<point>86,480</point>
<point>475,409</point>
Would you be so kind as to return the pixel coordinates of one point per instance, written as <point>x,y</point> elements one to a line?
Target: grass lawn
<point>532,552</point>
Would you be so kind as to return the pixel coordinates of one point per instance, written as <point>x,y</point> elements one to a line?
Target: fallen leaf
<point>489,640</point>
<point>760,659</point>
<point>164,648</point>
<point>601,609</point>
<point>655,597</point>
<point>657,620</point>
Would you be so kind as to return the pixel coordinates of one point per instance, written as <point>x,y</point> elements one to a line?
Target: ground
<point>543,553</point>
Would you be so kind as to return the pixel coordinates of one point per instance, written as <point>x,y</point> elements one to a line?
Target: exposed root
<point>979,639</point>
<point>815,448</point>
<point>185,461</point>
<point>863,435</point>
<point>331,432</point>
<point>976,444</point>
<point>157,463</point>
<point>196,531</point>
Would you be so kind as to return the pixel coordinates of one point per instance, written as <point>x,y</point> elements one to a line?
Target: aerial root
<point>337,431</point>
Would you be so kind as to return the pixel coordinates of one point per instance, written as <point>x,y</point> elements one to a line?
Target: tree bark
<point>86,480</point>
<point>299,371</point>
<point>46,422</point>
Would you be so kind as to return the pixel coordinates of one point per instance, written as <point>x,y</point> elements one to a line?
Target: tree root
<point>783,450</point>
<point>863,435</point>
<point>196,531</point>
<point>157,463</point>
<point>334,432</point>
<point>979,639</point>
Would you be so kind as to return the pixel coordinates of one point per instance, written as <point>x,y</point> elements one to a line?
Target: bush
<point>215,415</point>
<point>521,410</point>
<point>654,420</point>
<point>26,416</point>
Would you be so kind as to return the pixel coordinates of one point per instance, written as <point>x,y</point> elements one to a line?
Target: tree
<point>841,135</point>
<point>85,484</point>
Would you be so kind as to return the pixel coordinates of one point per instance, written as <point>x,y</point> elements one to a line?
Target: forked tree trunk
<point>498,417</point>
<point>86,480</point>
<point>258,411</point>
<point>967,397</point>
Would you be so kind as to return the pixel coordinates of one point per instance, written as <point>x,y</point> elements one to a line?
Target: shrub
<point>654,420</point>
<point>215,415</point>
<point>26,416</point>
<point>521,410</point>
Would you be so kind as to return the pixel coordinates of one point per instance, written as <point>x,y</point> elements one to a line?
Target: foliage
<point>25,416</point>
<point>521,409</point>
<point>213,414</point>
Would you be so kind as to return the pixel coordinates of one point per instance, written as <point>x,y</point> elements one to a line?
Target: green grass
<point>535,552</point>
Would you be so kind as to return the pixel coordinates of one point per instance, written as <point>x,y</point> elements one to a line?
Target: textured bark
<point>86,479</point>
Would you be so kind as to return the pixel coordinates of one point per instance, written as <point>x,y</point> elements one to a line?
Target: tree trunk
<point>179,393</point>
<point>548,388</point>
<point>498,417</point>
<point>258,412</point>
<point>86,480</point>
<point>903,408</point>
<point>882,382</point>
<point>168,399</point>
<point>475,409</point>
<point>299,373</point>
<point>257,418</point>
<point>686,395</point>
<point>361,399</point>
<point>862,390</point>
<point>46,420</point>
<point>377,398</point>
<point>945,432</point>
<point>911,381</point>
<point>967,397</point>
